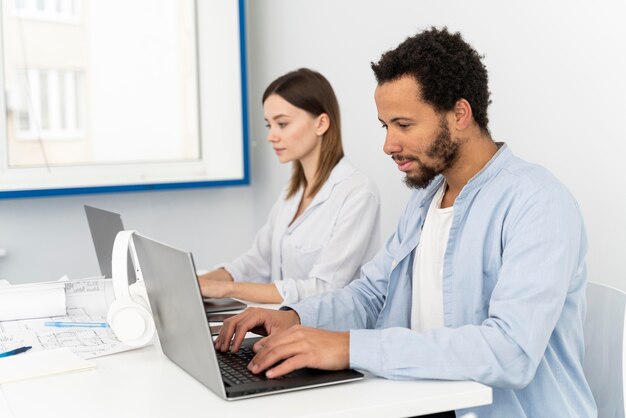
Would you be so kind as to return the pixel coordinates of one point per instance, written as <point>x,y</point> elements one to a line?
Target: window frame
<point>189,177</point>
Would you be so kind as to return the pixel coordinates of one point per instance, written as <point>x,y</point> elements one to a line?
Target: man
<point>484,277</point>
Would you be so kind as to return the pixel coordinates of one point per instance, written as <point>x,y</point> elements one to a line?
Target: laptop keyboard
<point>234,366</point>
<point>241,382</point>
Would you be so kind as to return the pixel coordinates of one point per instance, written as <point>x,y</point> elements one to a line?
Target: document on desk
<point>40,364</point>
<point>86,301</point>
<point>45,299</point>
<point>88,342</point>
<point>31,300</point>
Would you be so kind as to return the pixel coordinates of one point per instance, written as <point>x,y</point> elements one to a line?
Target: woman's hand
<point>220,284</point>
<point>216,288</point>
<point>216,275</point>
<point>216,284</point>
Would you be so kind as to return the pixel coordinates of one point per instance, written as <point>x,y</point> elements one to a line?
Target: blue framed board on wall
<point>137,95</point>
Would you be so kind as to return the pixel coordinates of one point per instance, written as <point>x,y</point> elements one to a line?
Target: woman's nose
<point>271,136</point>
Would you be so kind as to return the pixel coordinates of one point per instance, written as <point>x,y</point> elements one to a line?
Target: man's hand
<point>265,321</point>
<point>301,347</point>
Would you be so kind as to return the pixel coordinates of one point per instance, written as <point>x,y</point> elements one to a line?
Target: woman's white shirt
<point>324,248</point>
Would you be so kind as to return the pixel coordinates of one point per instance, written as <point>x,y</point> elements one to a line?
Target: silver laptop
<point>105,225</point>
<point>176,302</point>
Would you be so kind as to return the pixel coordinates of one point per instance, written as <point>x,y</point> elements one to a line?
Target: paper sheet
<point>39,364</point>
<point>32,300</point>
<point>87,300</point>
<point>84,342</point>
<point>94,294</point>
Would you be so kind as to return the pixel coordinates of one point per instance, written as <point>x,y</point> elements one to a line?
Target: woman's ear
<point>322,123</point>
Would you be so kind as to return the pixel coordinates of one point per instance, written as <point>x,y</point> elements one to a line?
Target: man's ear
<point>322,124</point>
<point>463,115</point>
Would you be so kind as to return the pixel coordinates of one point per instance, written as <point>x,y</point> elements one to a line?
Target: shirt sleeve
<point>255,264</point>
<point>357,305</point>
<point>355,234</point>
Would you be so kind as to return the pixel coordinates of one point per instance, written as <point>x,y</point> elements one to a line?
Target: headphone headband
<point>119,263</point>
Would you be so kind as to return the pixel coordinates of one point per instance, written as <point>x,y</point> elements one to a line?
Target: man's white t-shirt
<point>427,305</point>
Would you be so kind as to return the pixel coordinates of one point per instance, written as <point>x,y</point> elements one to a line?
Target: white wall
<point>46,238</point>
<point>556,75</point>
<point>556,78</point>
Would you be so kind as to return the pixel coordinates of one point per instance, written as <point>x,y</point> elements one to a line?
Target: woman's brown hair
<point>310,91</point>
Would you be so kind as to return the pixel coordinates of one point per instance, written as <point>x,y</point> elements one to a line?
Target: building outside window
<point>47,10</point>
<point>52,97</point>
<point>86,84</point>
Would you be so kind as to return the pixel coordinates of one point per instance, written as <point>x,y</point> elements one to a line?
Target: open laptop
<point>174,294</point>
<point>105,225</point>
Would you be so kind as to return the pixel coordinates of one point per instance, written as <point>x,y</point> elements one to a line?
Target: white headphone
<point>129,315</point>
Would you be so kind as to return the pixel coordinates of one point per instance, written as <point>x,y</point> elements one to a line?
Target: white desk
<point>144,383</point>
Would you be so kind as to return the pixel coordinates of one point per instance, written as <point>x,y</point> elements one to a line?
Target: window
<point>48,104</point>
<point>47,10</point>
<point>116,93</point>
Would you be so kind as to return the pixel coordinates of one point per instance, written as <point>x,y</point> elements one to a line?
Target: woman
<point>325,224</point>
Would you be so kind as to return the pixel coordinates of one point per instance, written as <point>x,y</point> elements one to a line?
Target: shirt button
<point>394,264</point>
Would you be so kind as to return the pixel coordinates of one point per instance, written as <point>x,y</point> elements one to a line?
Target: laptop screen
<point>183,328</point>
<point>104,226</point>
<point>176,303</point>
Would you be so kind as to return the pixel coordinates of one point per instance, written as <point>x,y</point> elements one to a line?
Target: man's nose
<point>391,145</point>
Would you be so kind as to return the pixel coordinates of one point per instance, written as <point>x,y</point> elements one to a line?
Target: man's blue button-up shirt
<point>514,280</point>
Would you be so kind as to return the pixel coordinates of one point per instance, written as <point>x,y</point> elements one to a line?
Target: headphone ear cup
<point>130,318</point>
<point>139,295</point>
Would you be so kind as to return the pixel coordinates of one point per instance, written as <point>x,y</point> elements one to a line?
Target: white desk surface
<point>5,412</point>
<point>144,383</point>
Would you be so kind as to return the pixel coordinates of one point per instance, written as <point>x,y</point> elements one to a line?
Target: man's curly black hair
<point>446,68</point>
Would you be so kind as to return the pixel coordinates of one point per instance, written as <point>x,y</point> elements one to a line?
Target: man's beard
<point>443,150</point>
